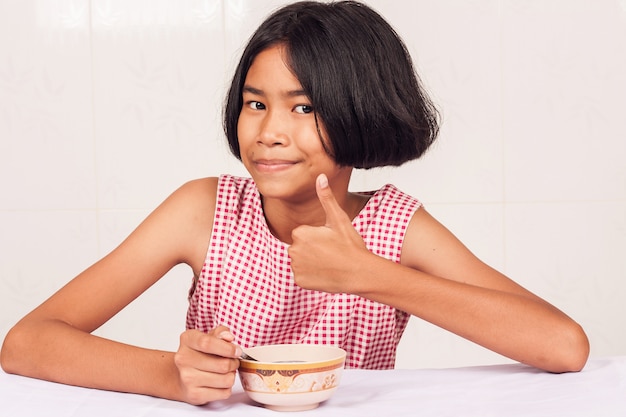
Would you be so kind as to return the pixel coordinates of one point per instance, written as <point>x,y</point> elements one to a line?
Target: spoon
<point>247,357</point>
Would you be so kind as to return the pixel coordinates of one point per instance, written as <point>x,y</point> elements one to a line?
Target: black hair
<point>359,77</point>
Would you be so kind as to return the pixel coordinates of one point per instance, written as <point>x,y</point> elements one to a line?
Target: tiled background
<point>106,106</point>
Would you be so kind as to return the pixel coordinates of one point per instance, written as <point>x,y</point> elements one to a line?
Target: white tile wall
<point>106,106</point>
<point>46,124</point>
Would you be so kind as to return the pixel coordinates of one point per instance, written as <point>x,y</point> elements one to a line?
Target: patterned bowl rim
<point>323,365</point>
<point>253,367</point>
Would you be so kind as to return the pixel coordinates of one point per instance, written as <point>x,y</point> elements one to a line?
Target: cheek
<point>240,126</point>
<point>321,159</point>
<point>243,139</point>
<point>324,140</point>
<point>244,131</point>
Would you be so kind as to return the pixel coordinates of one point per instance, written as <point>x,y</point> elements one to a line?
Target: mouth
<point>273,165</point>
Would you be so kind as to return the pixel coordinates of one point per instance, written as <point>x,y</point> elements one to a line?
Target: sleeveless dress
<point>247,285</point>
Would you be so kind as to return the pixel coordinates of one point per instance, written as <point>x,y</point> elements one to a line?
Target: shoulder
<point>228,185</point>
<point>391,203</point>
<point>200,197</point>
<point>430,247</point>
<point>391,195</point>
<point>195,198</point>
<point>199,190</point>
<point>187,217</point>
<point>175,232</point>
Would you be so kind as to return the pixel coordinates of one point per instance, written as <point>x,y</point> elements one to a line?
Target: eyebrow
<point>290,93</point>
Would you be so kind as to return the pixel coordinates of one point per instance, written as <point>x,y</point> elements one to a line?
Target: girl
<point>290,255</point>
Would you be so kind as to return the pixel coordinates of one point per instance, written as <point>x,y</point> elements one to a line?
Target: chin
<point>285,189</point>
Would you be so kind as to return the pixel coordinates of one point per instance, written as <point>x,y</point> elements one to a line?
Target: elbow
<point>573,354</point>
<point>581,352</point>
<point>6,353</point>
<point>12,354</point>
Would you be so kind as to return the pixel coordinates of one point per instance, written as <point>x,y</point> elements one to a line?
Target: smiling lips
<point>273,165</point>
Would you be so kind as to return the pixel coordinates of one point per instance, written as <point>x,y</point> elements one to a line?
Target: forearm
<point>521,327</point>
<point>55,351</point>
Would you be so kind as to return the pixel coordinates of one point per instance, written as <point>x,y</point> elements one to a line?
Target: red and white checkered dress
<point>247,285</point>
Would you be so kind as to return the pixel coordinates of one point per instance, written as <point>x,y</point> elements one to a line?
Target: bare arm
<point>441,281</point>
<point>54,341</point>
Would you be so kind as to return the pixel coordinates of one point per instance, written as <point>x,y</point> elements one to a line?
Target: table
<point>482,391</point>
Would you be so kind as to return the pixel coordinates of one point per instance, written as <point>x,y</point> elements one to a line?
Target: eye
<point>255,105</point>
<point>303,109</point>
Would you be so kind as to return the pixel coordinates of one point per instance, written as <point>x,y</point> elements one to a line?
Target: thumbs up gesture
<point>328,258</point>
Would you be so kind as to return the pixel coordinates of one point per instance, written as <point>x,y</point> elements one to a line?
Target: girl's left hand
<point>328,258</point>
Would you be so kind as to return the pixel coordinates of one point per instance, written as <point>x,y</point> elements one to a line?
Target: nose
<point>273,130</point>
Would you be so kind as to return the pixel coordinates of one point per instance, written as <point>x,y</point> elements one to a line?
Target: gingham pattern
<point>247,283</point>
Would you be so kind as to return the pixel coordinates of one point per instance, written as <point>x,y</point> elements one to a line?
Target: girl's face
<point>278,136</point>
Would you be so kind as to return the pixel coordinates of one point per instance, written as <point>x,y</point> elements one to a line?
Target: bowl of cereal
<point>291,377</point>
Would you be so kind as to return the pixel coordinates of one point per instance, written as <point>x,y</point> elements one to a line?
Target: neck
<point>282,216</point>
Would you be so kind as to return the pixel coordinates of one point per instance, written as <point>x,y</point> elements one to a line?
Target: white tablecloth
<point>500,390</point>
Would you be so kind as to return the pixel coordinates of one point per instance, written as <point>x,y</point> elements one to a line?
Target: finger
<point>224,333</point>
<point>334,213</point>
<point>203,395</point>
<point>194,365</point>
<point>202,387</point>
<point>211,343</point>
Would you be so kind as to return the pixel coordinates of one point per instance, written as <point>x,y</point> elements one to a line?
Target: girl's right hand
<point>207,364</point>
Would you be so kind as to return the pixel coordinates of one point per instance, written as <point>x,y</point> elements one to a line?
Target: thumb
<point>334,213</point>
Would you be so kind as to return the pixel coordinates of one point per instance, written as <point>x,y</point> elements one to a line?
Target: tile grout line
<point>224,33</point>
<point>93,129</point>
<point>502,136</point>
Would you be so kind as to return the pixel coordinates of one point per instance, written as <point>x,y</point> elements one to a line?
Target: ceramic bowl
<point>292,377</point>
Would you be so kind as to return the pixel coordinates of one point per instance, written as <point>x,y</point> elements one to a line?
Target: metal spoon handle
<point>247,357</point>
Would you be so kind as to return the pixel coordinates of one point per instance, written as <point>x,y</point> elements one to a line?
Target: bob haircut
<point>358,75</point>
